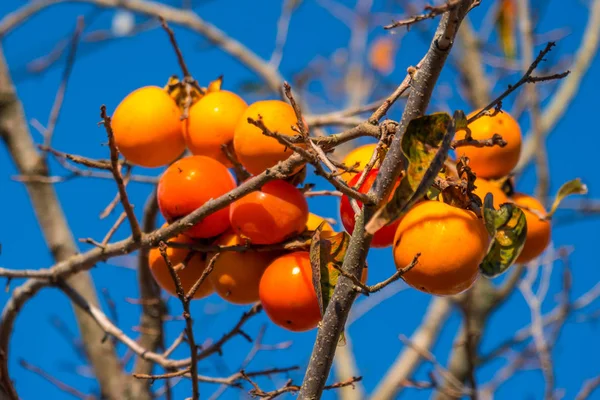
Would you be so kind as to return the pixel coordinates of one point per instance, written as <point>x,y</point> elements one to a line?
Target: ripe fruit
<point>287,293</point>
<point>483,187</point>
<point>236,275</point>
<point>188,273</point>
<point>255,151</point>
<point>187,185</point>
<point>147,128</point>
<point>313,223</point>
<point>538,232</point>
<point>211,123</point>
<point>452,243</point>
<point>496,161</point>
<point>361,155</point>
<point>276,212</point>
<point>384,237</point>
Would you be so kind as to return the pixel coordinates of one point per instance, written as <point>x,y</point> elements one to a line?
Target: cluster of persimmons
<point>149,131</point>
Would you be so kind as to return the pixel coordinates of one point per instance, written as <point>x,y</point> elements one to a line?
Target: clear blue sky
<point>105,73</point>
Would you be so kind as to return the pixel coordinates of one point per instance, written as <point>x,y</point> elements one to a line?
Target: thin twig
<point>116,170</point>
<point>59,384</point>
<point>430,13</point>
<point>62,89</point>
<point>526,78</point>
<point>185,302</point>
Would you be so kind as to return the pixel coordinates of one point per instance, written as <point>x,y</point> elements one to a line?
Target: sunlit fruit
<point>188,265</point>
<point>188,184</point>
<point>483,187</point>
<point>452,243</point>
<point>211,123</point>
<point>538,231</point>
<point>274,213</point>
<point>287,294</point>
<point>358,158</point>
<point>314,221</point>
<point>147,128</point>
<point>236,275</point>
<point>255,151</point>
<point>492,162</point>
<point>384,236</point>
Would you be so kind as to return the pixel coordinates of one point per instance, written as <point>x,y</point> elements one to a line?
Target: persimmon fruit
<point>147,128</point>
<point>188,265</point>
<point>188,184</point>
<point>255,151</point>
<point>211,123</point>
<point>492,162</point>
<point>236,275</point>
<point>287,294</point>
<point>483,187</point>
<point>538,231</point>
<point>384,237</point>
<point>361,156</point>
<point>274,213</point>
<point>452,242</point>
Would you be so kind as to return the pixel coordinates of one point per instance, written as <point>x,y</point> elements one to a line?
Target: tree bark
<point>16,136</point>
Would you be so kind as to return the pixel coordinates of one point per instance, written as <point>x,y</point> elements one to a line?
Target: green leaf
<point>508,228</point>
<point>420,143</point>
<point>425,144</point>
<point>574,186</point>
<point>325,251</point>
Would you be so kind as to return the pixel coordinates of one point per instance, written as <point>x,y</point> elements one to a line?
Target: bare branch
<point>569,87</point>
<point>430,13</point>
<point>189,326</point>
<point>116,170</point>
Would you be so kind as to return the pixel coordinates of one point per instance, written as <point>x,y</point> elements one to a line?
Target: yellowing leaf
<point>425,144</point>
<point>572,187</point>
<point>508,228</point>
<point>326,249</point>
<point>506,23</point>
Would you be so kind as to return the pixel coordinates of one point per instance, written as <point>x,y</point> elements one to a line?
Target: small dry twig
<point>116,170</point>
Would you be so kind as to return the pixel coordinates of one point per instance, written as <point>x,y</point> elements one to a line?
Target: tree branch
<point>14,133</point>
<point>335,316</point>
<point>566,92</point>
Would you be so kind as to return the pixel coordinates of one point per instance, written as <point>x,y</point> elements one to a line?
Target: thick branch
<point>339,306</point>
<point>14,133</point>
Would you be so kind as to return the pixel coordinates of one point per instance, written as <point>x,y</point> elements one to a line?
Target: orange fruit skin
<point>313,223</point>
<point>236,275</point>
<point>384,237</point>
<point>211,123</point>
<point>147,128</point>
<point>287,293</point>
<point>189,183</point>
<point>255,151</point>
<point>276,212</point>
<point>483,187</point>
<point>452,243</point>
<point>538,232</point>
<point>188,275</point>
<point>496,161</point>
<point>361,155</point>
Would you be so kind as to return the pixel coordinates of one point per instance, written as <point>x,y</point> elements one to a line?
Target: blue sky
<point>105,73</point>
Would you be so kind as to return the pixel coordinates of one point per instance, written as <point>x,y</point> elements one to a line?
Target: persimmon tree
<point>436,185</point>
